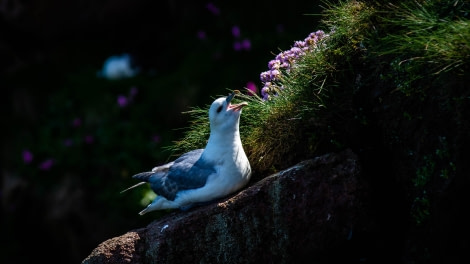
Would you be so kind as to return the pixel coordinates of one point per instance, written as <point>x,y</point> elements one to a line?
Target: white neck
<point>223,142</point>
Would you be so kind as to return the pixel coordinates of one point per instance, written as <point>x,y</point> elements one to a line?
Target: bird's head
<point>223,114</point>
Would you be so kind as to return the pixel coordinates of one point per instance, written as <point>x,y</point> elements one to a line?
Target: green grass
<point>315,108</point>
<point>294,124</point>
<point>426,35</point>
<point>389,82</point>
<point>351,23</point>
<point>273,131</point>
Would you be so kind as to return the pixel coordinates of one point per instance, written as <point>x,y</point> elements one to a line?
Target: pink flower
<point>236,31</point>
<point>252,89</point>
<point>242,45</point>
<point>246,44</point>
<point>122,101</point>
<point>27,156</point>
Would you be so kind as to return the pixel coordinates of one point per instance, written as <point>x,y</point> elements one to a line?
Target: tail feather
<point>143,176</point>
<point>143,211</point>
<point>133,186</point>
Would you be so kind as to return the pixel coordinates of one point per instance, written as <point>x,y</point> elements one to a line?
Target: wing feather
<point>189,171</point>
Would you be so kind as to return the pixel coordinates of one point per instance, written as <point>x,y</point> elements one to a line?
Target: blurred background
<point>74,131</point>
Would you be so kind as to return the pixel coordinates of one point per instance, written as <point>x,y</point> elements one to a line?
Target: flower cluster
<point>124,101</point>
<point>29,158</point>
<point>285,60</point>
<point>239,44</point>
<point>49,163</point>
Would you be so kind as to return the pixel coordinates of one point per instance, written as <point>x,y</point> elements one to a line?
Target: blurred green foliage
<point>390,82</point>
<point>69,147</point>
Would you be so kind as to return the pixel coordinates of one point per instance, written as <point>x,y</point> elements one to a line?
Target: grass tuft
<point>313,107</point>
<point>425,35</point>
<point>296,122</point>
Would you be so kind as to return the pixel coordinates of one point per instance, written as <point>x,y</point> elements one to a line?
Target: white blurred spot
<point>118,67</point>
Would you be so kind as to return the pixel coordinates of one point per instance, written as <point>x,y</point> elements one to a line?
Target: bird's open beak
<point>235,107</point>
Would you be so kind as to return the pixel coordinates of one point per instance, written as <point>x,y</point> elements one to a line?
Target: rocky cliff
<point>306,212</point>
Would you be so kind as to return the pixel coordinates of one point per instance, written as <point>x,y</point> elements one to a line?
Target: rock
<point>302,213</point>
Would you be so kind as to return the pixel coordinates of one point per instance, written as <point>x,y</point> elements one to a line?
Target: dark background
<point>55,107</point>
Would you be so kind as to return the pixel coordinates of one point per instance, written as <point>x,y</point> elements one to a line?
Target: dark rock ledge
<point>307,213</point>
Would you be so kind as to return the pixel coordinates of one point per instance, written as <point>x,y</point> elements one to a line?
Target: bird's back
<point>189,171</point>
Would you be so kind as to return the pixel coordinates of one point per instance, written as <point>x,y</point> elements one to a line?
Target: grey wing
<point>189,171</point>
<point>191,156</point>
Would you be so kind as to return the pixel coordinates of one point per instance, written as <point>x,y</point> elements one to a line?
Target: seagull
<point>203,175</point>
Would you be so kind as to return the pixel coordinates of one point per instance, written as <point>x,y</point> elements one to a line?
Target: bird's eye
<point>219,109</point>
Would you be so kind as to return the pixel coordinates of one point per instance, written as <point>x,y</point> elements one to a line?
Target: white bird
<point>203,175</point>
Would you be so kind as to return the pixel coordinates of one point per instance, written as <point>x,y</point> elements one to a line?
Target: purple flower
<point>285,65</point>
<point>275,74</point>
<point>296,52</point>
<point>213,9</point>
<point>320,34</point>
<point>27,156</point>
<point>76,122</point>
<point>265,92</point>
<point>314,37</point>
<point>246,44</point>
<point>274,64</point>
<point>285,60</point>
<point>300,44</point>
<point>271,75</point>
<point>122,101</point>
<point>282,57</point>
<point>236,31</point>
<point>243,45</point>
<point>46,165</point>
<point>264,76</point>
